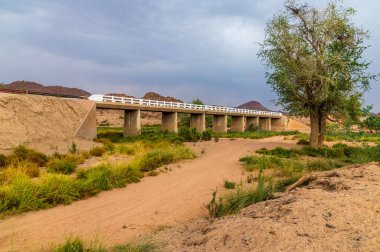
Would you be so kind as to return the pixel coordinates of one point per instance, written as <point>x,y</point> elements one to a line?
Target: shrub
<point>73,149</point>
<point>216,139</point>
<point>85,154</point>
<point>303,142</point>
<point>189,134</point>
<point>206,135</point>
<point>21,153</point>
<point>229,184</point>
<point>3,159</point>
<point>62,165</point>
<point>97,151</point>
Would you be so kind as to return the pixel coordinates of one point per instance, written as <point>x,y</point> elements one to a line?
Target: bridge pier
<point>278,123</point>
<point>198,121</point>
<point>238,124</point>
<point>265,123</point>
<point>220,123</point>
<point>132,124</point>
<point>170,122</point>
<point>251,122</point>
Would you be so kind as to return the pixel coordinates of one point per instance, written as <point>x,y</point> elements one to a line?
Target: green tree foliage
<point>184,119</point>
<point>315,63</point>
<point>371,120</point>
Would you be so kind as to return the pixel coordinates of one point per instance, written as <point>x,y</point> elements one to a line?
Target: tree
<point>371,121</point>
<point>314,63</point>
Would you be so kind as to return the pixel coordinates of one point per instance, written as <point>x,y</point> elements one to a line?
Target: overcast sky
<point>184,49</point>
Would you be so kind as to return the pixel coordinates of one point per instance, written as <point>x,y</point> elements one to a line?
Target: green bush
<point>62,165</point>
<point>206,135</point>
<point>3,160</point>
<point>73,149</point>
<point>229,184</point>
<point>97,151</point>
<point>303,142</point>
<point>189,134</point>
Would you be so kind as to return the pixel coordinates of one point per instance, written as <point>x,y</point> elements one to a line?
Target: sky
<point>185,49</point>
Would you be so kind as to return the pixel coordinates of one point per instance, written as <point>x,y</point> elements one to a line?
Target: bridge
<point>242,119</point>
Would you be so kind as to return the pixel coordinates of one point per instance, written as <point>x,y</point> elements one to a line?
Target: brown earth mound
<point>340,211</point>
<point>43,122</point>
<point>35,87</point>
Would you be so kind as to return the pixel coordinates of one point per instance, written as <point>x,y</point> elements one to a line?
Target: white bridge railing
<point>179,105</point>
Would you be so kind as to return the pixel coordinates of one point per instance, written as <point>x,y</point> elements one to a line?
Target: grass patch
<point>76,244</point>
<point>22,153</point>
<point>142,246</point>
<point>257,134</point>
<point>98,151</point>
<point>233,202</point>
<point>61,165</point>
<point>229,184</point>
<point>343,152</point>
<point>163,155</point>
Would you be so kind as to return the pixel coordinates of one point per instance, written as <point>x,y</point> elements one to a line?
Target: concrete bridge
<point>242,119</point>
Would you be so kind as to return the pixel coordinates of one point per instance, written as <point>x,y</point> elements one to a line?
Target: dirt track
<point>118,215</point>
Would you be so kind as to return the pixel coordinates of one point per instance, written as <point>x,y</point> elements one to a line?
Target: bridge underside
<point>240,122</point>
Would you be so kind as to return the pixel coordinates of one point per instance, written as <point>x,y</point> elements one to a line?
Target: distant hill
<point>36,87</point>
<point>158,97</point>
<point>254,105</point>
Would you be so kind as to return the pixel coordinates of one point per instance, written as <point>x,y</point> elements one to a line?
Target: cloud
<point>186,49</point>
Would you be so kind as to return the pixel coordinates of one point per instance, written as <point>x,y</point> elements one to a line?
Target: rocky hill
<point>36,87</point>
<point>158,97</point>
<point>254,105</point>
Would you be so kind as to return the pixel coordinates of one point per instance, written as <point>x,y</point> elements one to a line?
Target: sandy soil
<point>169,199</point>
<point>340,211</point>
<point>300,124</point>
<point>43,123</point>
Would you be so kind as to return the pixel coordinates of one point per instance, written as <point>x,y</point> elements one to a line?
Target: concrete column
<point>198,121</point>
<point>220,123</point>
<point>252,122</point>
<point>278,123</point>
<point>238,124</point>
<point>170,122</point>
<point>265,123</point>
<point>132,124</point>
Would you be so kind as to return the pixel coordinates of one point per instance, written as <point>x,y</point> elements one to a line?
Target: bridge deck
<point>122,103</point>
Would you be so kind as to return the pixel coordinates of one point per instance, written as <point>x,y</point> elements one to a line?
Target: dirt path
<point>121,214</point>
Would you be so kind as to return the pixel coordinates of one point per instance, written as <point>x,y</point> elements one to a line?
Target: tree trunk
<point>314,126</point>
<point>322,129</point>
